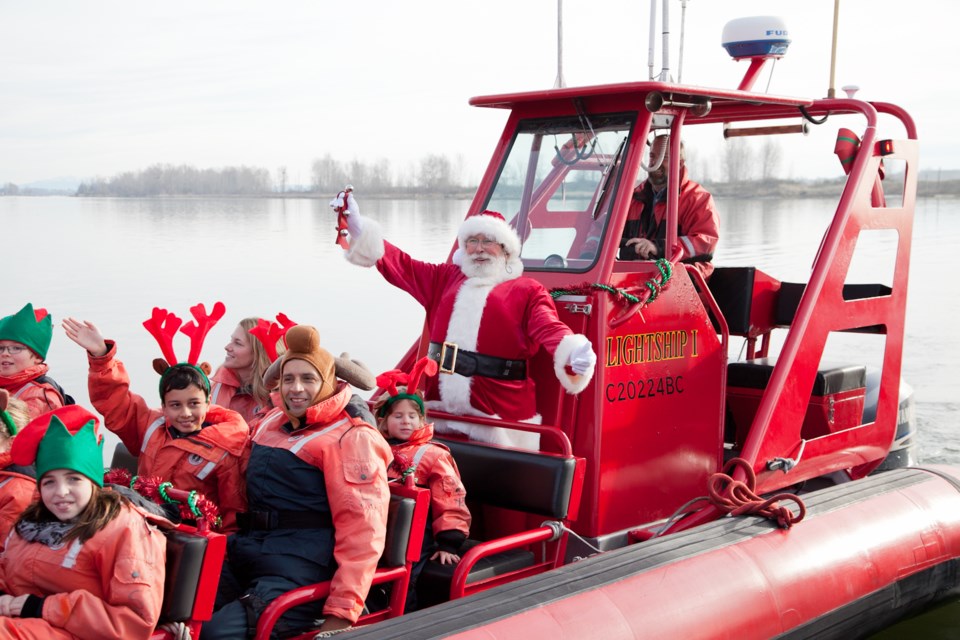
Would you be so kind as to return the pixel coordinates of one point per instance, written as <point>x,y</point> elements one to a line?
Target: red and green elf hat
<point>31,328</point>
<point>391,380</point>
<point>65,438</point>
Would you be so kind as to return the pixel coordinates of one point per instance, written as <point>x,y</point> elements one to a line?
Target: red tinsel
<point>150,488</point>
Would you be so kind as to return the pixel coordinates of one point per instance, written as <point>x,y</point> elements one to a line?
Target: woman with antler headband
<point>238,383</point>
<point>188,441</point>
<point>401,418</point>
<point>18,484</point>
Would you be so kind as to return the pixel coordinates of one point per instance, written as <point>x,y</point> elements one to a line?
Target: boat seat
<point>123,459</point>
<point>194,561</point>
<point>532,483</point>
<point>831,378</point>
<point>790,293</point>
<point>184,562</point>
<point>836,400</point>
<point>406,523</point>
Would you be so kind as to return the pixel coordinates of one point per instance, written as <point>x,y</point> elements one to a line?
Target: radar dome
<point>756,36</point>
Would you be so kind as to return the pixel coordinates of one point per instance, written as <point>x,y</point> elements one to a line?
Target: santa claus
<point>486,321</point>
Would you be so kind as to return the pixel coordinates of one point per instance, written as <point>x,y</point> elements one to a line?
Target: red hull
<point>867,553</point>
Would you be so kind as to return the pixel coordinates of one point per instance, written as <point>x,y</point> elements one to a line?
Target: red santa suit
<point>504,315</point>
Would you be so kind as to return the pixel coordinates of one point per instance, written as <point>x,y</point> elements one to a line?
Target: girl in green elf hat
<point>83,561</point>
<point>24,340</point>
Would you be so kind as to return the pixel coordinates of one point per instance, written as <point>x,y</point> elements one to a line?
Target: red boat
<point>684,494</point>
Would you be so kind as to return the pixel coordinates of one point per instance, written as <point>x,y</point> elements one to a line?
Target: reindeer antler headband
<point>163,326</point>
<point>390,380</point>
<point>270,333</point>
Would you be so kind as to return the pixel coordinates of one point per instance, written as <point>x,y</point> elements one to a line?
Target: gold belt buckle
<point>443,357</point>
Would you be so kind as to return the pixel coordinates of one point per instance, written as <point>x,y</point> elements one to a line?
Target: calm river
<point>112,260</point>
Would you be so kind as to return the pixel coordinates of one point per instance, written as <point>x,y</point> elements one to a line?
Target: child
<point>24,341</point>
<point>82,562</point>
<point>402,420</point>
<point>188,441</point>
<point>318,495</point>
<point>18,485</point>
<point>238,382</point>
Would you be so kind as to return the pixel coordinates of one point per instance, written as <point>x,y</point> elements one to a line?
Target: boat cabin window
<point>557,180</point>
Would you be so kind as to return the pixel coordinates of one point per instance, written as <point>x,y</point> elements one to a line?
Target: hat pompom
<point>303,339</point>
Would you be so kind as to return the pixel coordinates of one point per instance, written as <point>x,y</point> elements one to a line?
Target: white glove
<point>354,225</point>
<point>582,359</point>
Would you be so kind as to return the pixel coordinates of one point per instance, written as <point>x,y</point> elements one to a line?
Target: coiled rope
<point>737,497</point>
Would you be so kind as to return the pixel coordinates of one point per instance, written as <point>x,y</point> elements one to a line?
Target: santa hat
<point>65,438</point>
<point>492,225</point>
<point>403,386</point>
<point>31,328</point>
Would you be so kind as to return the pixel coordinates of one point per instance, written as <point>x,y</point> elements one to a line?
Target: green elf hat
<point>31,328</point>
<point>65,438</point>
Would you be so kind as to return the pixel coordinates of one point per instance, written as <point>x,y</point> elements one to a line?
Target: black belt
<point>453,359</point>
<point>270,520</point>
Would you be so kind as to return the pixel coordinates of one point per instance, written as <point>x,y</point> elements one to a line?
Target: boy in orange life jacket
<point>18,485</point>
<point>402,420</point>
<point>188,441</point>
<point>24,341</point>
<point>82,562</point>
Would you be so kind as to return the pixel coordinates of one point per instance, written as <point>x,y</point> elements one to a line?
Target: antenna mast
<point>559,83</point>
<point>831,92</point>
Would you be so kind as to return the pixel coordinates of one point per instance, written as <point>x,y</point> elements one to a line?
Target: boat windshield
<point>556,187</point>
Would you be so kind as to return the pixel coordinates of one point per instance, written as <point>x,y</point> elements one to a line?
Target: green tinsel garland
<point>621,296</point>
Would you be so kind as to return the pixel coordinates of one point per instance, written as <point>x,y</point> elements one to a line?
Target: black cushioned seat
<point>185,553</point>
<point>831,378</point>
<point>399,522</point>
<point>530,482</point>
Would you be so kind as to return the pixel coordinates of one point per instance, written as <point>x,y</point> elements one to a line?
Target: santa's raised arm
<point>485,320</point>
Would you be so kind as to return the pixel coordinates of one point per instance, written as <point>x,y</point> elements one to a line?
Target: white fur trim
<point>463,329</point>
<point>572,383</point>
<point>492,227</point>
<point>366,248</point>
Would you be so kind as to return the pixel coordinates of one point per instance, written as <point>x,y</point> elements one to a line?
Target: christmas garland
<point>621,296</point>
<point>197,506</point>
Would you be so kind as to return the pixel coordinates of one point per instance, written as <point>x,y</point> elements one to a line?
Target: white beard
<point>493,269</point>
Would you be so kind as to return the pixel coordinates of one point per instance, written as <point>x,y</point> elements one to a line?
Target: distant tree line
<point>168,180</point>
<point>434,173</point>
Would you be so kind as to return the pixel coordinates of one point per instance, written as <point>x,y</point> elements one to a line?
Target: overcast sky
<point>96,88</point>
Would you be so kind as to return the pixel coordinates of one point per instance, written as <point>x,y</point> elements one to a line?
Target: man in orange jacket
<point>318,496</point>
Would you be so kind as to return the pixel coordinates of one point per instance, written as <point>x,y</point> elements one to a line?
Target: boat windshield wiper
<point>605,180</point>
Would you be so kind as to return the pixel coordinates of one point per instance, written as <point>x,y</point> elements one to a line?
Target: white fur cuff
<point>571,382</point>
<point>367,247</point>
